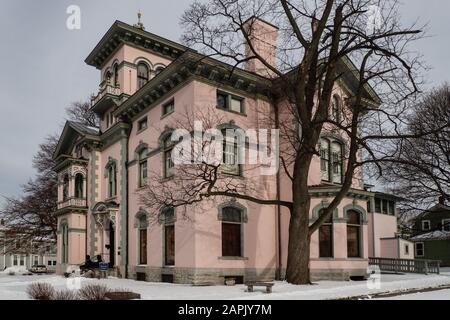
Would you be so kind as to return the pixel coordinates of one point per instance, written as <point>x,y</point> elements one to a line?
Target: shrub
<point>66,295</point>
<point>41,291</point>
<point>93,292</point>
<point>11,273</point>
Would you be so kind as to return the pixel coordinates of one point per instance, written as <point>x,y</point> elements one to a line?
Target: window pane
<point>168,163</point>
<point>446,225</point>
<point>142,75</point>
<point>377,205</point>
<point>231,214</point>
<point>324,159</point>
<point>231,240</point>
<point>385,206</point>
<point>336,150</point>
<point>143,246</point>
<point>168,107</point>
<point>326,241</point>
<point>168,215</point>
<point>353,242</point>
<point>391,208</point>
<point>142,124</point>
<point>170,245</point>
<point>221,100</point>
<point>236,105</point>
<point>353,217</point>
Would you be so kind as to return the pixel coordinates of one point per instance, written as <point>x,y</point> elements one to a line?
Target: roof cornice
<point>192,65</point>
<point>121,33</point>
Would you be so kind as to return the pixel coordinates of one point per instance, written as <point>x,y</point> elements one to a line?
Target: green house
<point>431,234</point>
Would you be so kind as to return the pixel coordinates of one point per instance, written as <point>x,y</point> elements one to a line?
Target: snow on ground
<point>432,295</point>
<point>14,288</point>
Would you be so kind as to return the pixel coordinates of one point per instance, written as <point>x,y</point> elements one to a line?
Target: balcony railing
<point>105,88</point>
<point>72,202</point>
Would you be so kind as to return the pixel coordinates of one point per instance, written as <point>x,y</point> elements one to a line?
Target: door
<point>112,245</point>
<point>170,245</point>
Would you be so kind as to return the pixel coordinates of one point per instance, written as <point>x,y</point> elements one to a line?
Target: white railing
<point>105,88</point>
<point>72,202</point>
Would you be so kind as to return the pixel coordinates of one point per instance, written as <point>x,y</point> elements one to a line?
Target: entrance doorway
<point>112,245</point>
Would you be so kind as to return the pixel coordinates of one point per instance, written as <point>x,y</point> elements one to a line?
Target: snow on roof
<point>433,235</point>
<point>85,129</point>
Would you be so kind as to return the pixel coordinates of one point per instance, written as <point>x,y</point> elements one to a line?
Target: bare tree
<point>80,111</point>
<point>420,167</point>
<point>30,217</point>
<point>316,39</point>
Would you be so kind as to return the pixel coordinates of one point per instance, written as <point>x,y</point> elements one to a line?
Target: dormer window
<point>426,225</point>
<point>142,75</point>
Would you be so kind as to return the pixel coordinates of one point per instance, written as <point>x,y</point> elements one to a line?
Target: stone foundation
<point>216,276</point>
<point>200,276</point>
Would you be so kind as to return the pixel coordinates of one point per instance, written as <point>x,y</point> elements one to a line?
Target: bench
<point>268,286</point>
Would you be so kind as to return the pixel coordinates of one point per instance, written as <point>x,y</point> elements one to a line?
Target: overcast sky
<point>43,67</point>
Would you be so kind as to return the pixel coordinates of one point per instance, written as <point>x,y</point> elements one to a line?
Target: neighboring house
<point>147,82</point>
<point>431,234</point>
<point>16,254</point>
<point>385,240</point>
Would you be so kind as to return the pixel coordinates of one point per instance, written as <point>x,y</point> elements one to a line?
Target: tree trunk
<point>297,271</point>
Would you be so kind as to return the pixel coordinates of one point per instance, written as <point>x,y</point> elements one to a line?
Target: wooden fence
<point>406,266</point>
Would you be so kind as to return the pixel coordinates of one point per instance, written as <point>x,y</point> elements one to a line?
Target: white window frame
<point>423,249</point>
<point>406,249</point>
<point>445,222</point>
<point>429,225</point>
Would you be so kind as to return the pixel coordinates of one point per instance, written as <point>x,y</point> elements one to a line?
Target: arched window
<point>326,237</point>
<point>66,188</point>
<point>167,217</point>
<point>158,70</point>
<point>142,75</point>
<point>336,158</point>
<point>230,154</point>
<point>353,234</point>
<point>325,159</point>
<point>336,109</point>
<point>143,173</point>
<point>64,244</point>
<point>79,186</point>
<point>116,75</point>
<point>108,77</point>
<point>232,223</point>
<point>142,225</point>
<point>331,160</point>
<point>167,154</point>
<point>112,180</point>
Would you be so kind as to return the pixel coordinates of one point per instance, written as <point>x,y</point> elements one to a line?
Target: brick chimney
<point>263,37</point>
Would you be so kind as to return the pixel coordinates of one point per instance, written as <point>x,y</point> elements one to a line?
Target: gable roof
<point>71,132</point>
<point>433,235</point>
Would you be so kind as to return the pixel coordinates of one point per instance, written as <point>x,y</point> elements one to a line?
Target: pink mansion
<point>146,83</point>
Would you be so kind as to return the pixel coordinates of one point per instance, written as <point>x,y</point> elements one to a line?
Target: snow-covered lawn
<point>14,288</point>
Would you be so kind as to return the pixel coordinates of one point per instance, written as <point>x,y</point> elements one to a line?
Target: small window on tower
<point>142,124</point>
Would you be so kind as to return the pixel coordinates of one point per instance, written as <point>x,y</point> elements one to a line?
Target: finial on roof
<point>139,24</point>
